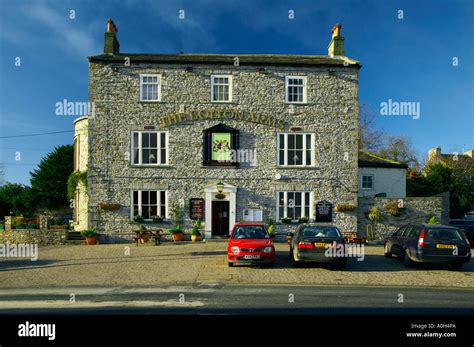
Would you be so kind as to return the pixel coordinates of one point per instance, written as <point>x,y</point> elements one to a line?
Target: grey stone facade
<point>330,113</point>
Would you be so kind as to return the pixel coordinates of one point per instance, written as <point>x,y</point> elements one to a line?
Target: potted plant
<point>271,227</point>
<point>176,233</point>
<point>91,236</point>
<point>138,219</point>
<point>303,219</point>
<point>374,217</point>
<point>195,232</point>
<point>142,234</point>
<point>157,219</point>
<point>286,220</point>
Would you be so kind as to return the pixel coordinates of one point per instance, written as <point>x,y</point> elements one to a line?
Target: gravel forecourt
<point>194,263</point>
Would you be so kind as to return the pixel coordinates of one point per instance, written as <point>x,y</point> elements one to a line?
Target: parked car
<point>466,226</point>
<point>428,243</point>
<point>250,243</point>
<point>309,243</point>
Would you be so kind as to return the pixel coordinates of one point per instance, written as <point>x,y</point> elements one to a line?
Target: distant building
<point>463,164</point>
<point>381,177</point>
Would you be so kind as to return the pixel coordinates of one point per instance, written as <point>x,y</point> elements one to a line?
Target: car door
<point>396,241</point>
<point>411,239</point>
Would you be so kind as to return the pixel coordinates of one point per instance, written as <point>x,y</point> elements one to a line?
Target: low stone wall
<point>34,236</point>
<point>415,210</point>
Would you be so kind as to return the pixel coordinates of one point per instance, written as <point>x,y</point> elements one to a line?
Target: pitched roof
<point>244,59</point>
<point>367,159</point>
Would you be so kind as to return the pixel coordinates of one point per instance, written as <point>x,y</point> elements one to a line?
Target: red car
<point>250,243</point>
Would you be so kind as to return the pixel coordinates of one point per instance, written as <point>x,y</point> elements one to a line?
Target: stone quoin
<point>165,125</point>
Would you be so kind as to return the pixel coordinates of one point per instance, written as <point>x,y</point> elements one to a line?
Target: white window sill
<point>153,165</point>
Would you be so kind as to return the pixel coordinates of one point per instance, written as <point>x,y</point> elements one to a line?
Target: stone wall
<point>415,210</point>
<point>331,113</point>
<point>33,236</point>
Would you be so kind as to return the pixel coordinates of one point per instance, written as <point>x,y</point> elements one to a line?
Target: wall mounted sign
<point>218,114</point>
<point>196,208</point>
<point>324,211</point>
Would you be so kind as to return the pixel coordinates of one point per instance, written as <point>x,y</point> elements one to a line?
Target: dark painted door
<point>220,218</point>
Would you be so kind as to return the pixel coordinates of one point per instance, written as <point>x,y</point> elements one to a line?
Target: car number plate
<point>321,244</point>
<point>251,257</point>
<point>444,246</point>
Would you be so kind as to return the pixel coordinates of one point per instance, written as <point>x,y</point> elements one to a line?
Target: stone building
<point>222,136</point>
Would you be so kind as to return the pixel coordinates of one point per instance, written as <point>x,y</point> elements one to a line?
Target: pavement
<point>118,265</point>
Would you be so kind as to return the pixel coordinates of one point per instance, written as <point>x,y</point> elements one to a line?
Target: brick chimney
<point>111,44</point>
<point>336,46</point>
<point>470,153</point>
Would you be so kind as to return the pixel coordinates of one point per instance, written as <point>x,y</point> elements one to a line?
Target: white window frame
<point>158,89</point>
<point>285,164</point>
<point>140,154</point>
<point>303,202</point>
<point>287,78</point>
<point>362,181</point>
<point>158,201</point>
<point>230,88</point>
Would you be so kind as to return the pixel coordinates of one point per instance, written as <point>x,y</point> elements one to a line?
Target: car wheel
<point>456,267</point>
<point>230,264</point>
<point>294,261</point>
<point>386,252</point>
<point>406,260</point>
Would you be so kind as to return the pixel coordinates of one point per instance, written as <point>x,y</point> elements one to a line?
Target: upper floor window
<point>367,181</point>
<point>295,88</point>
<point>149,148</point>
<point>221,88</point>
<point>150,87</point>
<point>219,142</point>
<point>295,149</point>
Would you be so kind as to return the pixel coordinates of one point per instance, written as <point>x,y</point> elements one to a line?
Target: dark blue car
<point>427,243</point>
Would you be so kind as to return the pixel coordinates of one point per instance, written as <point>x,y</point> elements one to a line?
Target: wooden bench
<point>351,237</point>
<point>155,233</point>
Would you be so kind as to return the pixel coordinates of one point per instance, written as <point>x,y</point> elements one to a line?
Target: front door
<point>220,218</point>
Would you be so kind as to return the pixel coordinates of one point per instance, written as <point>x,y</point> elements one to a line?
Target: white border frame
<point>305,88</point>
<point>140,202</point>
<point>230,89</point>
<point>158,142</point>
<point>285,164</point>
<point>159,87</point>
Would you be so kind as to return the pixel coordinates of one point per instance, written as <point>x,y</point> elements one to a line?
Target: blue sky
<point>409,59</point>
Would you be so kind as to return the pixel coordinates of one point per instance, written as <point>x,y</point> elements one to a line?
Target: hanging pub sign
<point>196,208</point>
<point>324,211</point>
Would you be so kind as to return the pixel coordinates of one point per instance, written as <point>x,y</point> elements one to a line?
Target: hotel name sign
<point>217,114</point>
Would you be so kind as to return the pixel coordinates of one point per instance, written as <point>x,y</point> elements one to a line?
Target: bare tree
<point>370,138</point>
<point>399,148</point>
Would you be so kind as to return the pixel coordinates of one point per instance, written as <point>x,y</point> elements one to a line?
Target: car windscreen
<point>444,234</point>
<point>250,232</point>
<point>313,231</point>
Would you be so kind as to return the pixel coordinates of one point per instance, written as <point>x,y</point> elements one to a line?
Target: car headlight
<point>235,249</point>
<point>268,249</point>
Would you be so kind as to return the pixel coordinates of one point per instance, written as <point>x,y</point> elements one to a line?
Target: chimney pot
<point>336,46</point>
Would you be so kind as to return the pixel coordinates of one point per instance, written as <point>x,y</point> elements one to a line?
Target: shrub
<point>303,220</point>
<point>374,214</point>
<point>157,219</point>
<point>392,208</point>
<point>432,220</point>
<point>196,228</point>
<point>175,230</point>
<point>138,219</point>
<point>286,220</point>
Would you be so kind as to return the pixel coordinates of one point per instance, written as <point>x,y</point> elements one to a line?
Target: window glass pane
<point>291,157</point>
<point>281,157</point>
<point>153,198</point>
<point>281,212</point>
<point>135,156</point>
<point>153,211</point>
<point>145,140</point>
<point>282,141</point>
<point>299,141</point>
<point>297,212</point>
<point>308,158</point>
<point>135,140</point>
<point>153,140</point>
<point>153,156</point>
<point>298,198</point>
<point>308,141</point>
<point>162,197</point>
<point>135,197</point>
<point>291,141</point>
<point>145,195</point>
<point>298,158</point>
<point>163,140</point>
<point>163,211</point>
<point>145,156</point>
<point>146,211</point>
<point>163,156</point>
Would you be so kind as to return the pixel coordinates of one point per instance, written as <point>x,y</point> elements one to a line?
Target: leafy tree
<point>16,199</point>
<point>399,148</point>
<point>49,180</point>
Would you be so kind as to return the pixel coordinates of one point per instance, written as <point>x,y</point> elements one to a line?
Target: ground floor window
<point>149,203</point>
<point>293,205</point>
